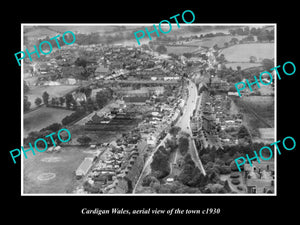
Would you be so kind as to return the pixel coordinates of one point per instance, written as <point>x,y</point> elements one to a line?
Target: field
<point>242,52</point>
<point>258,112</point>
<point>267,133</point>
<point>42,117</point>
<point>179,50</point>
<point>206,42</point>
<point>53,91</point>
<point>60,165</point>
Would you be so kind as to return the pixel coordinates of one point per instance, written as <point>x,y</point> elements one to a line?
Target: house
<point>259,178</point>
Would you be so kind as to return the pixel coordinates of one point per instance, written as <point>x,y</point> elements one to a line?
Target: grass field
<point>242,52</point>
<point>267,133</point>
<point>53,91</point>
<point>179,50</point>
<point>42,117</point>
<point>64,166</point>
<point>263,106</point>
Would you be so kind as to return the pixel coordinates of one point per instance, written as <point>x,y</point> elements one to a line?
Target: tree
<point>267,64</point>
<point>234,41</point>
<point>226,44</point>
<point>26,103</point>
<point>243,132</point>
<point>26,87</point>
<point>53,101</point>
<point>160,164</point>
<point>216,47</point>
<point>45,97</point>
<point>232,32</point>
<point>81,62</point>
<point>87,91</point>
<point>249,38</point>
<point>185,175</point>
<point>171,143</point>
<point>221,58</point>
<point>234,167</point>
<point>90,105</point>
<point>205,158</point>
<point>38,101</point>
<point>253,59</point>
<point>174,130</point>
<point>52,128</point>
<point>103,96</point>
<point>183,145</point>
<point>187,55</point>
<point>161,49</point>
<point>69,100</point>
<point>84,140</point>
<point>62,100</point>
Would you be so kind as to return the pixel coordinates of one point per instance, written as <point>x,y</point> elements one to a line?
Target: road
<point>184,124</point>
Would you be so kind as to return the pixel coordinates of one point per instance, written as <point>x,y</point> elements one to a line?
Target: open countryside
<point>242,53</point>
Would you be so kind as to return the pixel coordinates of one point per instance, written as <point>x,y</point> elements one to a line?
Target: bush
<point>160,164</point>
<point>234,167</point>
<point>225,170</point>
<point>89,188</point>
<point>148,180</point>
<point>240,188</point>
<point>71,118</point>
<point>235,181</point>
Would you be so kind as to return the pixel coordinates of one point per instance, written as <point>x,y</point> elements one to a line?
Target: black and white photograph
<point>143,112</point>
<point>148,117</point>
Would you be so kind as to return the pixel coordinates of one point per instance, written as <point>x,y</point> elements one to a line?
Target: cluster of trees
<point>244,134</point>
<point>176,187</point>
<point>103,97</point>
<point>160,165</point>
<point>34,135</point>
<point>161,49</point>
<point>187,55</point>
<point>26,87</point>
<point>192,177</point>
<point>183,145</point>
<point>74,116</point>
<point>91,188</point>
<point>68,39</point>
<point>26,104</point>
<point>262,34</point>
<point>70,101</point>
<point>84,140</point>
